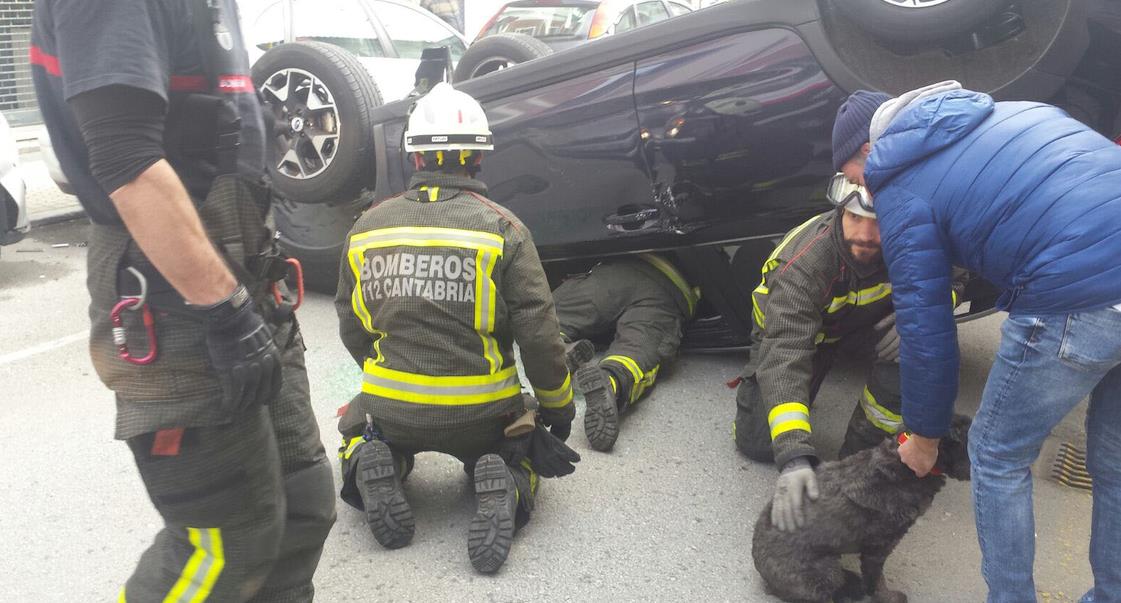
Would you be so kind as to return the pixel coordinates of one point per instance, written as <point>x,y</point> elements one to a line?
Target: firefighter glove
<point>559,420</point>
<point>887,349</point>
<point>796,482</point>
<point>242,351</point>
<point>549,456</point>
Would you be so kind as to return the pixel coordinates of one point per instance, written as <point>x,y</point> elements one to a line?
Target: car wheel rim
<point>491,65</point>
<point>307,131</point>
<point>914,3</point>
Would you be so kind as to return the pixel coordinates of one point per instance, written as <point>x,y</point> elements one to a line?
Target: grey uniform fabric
<point>415,328</point>
<point>812,298</point>
<point>631,300</point>
<point>261,479</point>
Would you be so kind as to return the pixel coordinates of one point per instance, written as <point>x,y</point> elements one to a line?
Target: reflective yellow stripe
<point>442,391</point>
<point>121,597</point>
<point>532,476</point>
<point>426,236</point>
<point>488,248</point>
<point>202,569</point>
<point>349,446</point>
<point>641,379</point>
<point>954,297</point>
<point>555,398</point>
<point>434,193</point>
<point>789,416</point>
<point>691,294</point>
<point>486,296</point>
<point>860,298</point>
<point>627,363</point>
<point>878,415</point>
<point>769,265</point>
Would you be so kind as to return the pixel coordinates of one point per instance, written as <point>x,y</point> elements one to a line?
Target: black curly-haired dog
<point>868,501</point>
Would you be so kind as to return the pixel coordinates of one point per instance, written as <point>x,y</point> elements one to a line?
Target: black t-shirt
<point>82,45</point>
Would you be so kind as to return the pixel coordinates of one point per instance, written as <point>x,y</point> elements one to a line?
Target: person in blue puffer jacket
<point>1030,199</point>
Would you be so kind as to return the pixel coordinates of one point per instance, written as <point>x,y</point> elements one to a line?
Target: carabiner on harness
<point>133,304</point>
<point>295,265</point>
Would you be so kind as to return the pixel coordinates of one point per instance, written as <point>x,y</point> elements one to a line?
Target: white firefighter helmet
<point>446,119</point>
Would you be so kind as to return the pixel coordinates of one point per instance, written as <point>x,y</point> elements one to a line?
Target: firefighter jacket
<point>813,293</point>
<point>434,288</point>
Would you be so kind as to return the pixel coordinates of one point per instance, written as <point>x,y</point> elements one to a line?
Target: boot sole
<point>387,511</point>
<point>491,533</point>
<point>581,353</point>
<point>601,419</point>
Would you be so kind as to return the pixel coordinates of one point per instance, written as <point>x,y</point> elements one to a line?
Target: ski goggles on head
<point>842,193</point>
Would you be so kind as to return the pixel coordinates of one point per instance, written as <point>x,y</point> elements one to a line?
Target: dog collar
<point>906,435</point>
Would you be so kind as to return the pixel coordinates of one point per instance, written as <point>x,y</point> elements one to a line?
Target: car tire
<point>499,51</point>
<point>319,97</point>
<point>315,235</point>
<point>917,20</point>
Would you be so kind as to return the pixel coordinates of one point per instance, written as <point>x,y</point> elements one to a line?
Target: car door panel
<point>575,141</point>
<point>736,133</point>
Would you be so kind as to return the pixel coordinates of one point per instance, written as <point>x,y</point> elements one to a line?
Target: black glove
<point>513,450</point>
<point>242,351</point>
<point>549,456</point>
<point>559,420</point>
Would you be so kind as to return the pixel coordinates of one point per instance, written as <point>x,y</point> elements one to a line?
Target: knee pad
<point>311,497</point>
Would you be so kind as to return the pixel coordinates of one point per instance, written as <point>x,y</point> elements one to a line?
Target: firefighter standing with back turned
<point>158,128</point>
<point>435,287</point>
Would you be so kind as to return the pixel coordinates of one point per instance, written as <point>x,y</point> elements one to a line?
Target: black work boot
<point>578,353</point>
<point>387,511</point>
<point>492,529</point>
<point>601,419</point>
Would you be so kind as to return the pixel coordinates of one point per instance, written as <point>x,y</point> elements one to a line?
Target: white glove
<point>786,507</point>
<point>887,350</point>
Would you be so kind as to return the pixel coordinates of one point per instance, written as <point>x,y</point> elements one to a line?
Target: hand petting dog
<point>919,453</point>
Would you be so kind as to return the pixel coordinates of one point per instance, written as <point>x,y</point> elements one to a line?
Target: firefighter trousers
<point>466,442</point>
<point>642,315</point>
<point>246,504</point>
<point>876,416</point>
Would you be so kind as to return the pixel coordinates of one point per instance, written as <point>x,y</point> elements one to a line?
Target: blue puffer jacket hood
<point>1017,192</point>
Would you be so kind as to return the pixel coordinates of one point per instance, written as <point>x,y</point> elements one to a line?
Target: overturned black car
<point>709,134</point>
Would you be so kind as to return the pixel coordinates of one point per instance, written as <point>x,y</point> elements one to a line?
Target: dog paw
<point>889,596</point>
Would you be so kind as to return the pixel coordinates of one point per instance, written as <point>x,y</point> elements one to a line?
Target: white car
<point>14,222</point>
<point>387,36</point>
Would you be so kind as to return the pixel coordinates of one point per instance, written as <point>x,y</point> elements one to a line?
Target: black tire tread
<point>519,47</point>
<point>366,96</point>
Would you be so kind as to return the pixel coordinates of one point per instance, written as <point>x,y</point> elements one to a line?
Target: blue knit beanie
<point>850,130</point>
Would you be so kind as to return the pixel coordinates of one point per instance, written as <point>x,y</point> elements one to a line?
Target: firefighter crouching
<point>435,287</point>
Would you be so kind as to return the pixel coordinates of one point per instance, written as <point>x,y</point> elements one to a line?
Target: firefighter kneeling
<point>435,287</point>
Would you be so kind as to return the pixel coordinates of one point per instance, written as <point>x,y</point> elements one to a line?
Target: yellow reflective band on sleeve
<point>441,391</point>
<point>954,298</point>
<point>860,298</point>
<point>121,597</point>
<point>555,398</point>
<point>879,416</point>
<point>349,446</point>
<point>202,569</point>
<point>789,416</point>
<point>692,294</point>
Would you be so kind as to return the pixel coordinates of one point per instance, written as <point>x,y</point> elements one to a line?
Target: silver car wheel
<point>307,122</point>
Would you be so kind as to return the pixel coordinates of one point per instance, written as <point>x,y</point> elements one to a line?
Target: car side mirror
<point>435,67</point>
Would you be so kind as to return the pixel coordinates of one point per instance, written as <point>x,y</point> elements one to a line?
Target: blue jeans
<point>1045,365</point>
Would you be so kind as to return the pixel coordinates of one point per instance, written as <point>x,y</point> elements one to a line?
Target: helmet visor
<point>842,193</point>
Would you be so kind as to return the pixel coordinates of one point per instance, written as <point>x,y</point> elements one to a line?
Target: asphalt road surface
<point>666,516</point>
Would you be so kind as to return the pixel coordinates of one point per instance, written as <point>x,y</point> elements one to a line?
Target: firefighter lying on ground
<point>643,301</point>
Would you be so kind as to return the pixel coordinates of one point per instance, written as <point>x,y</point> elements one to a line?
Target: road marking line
<point>42,347</point>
